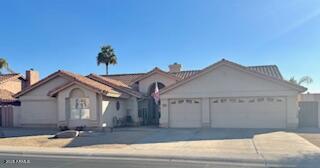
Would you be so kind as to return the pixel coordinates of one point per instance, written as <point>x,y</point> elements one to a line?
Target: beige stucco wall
<point>146,83</point>
<point>43,90</point>
<point>132,108</point>
<point>312,97</point>
<point>13,86</point>
<point>37,108</point>
<point>109,110</point>
<point>225,81</point>
<point>38,113</point>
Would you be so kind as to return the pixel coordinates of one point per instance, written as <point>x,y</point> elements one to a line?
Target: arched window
<point>76,92</point>
<point>152,87</point>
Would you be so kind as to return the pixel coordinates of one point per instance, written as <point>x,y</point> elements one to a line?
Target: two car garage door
<point>244,112</point>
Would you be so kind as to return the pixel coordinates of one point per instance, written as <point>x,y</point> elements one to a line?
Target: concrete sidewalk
<point>283,148</point>
<point>272,149</point>
<point>129,153</point>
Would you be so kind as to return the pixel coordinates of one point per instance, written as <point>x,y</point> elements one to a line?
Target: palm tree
<point>304,79</point>
<point>106,56</point>
<point>5,65</point>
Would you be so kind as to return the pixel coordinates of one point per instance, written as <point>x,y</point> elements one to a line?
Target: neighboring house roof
<point>273,75</point>
<point>6,98</point>
<point>118,85</point>
<point>128,79</point>
<point>74,79</point>
<point>7,77</point>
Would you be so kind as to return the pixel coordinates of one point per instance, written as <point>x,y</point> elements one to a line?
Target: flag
<point>156,94</point>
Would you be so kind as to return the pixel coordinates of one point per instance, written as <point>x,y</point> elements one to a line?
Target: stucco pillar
<point>164,118</point>
<point>134,111</point>
<point>61,107</point>
<point>292,112</point>
<point>205,109</point>
<point>99,109</point>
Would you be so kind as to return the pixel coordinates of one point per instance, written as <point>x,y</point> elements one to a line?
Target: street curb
<point>137,156</point>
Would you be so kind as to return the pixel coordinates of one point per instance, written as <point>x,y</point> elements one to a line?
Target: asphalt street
<point>52,161</point>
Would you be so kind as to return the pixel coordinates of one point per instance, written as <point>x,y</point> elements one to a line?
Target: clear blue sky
<point>48,35</point>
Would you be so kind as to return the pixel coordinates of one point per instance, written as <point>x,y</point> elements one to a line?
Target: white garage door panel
<point>249,112</point>
<point>185,113</point>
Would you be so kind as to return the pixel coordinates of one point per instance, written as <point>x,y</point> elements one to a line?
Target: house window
<point>173,102</point>
<point>180,101</point>
<point>270,99</point>
<point>216,101</point>
<point>223,100</point>
<point>195,101</point>
<point>118,105</point>
<point>188,101</point>
<point>232,100</point>
<point>279,100</point>
<point>260,99</point>
<point>80,108</point>
<point>252,100</point>
<point>241,101</point>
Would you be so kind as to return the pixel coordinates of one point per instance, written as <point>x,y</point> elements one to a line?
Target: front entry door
<point>149,112</point>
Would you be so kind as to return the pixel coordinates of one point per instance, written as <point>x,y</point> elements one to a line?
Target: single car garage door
<point>185,113</point>
<point>248,112</point>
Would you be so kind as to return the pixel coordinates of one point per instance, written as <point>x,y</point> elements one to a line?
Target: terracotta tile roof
<point>128,78</point>
<point>125,78</point>
<point>185,74</point>
<point>269,70</point>
<point>156,70</point>
<point>113,81</point>
<point>6,96</point>
<point>73,78</point>
<point>6,77</point>
<point>118,85</point>
<point>90,83</point>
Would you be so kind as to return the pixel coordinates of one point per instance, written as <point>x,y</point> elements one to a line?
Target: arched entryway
<point>151,114</point>
<point>152,87</point>
<point>78,111</point>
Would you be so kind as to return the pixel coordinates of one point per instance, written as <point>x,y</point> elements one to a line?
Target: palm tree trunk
<point>106,69</point>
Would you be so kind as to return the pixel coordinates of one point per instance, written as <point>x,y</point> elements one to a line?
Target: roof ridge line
<point>262,65</point>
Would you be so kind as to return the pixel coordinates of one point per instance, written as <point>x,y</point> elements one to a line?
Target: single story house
<point>224,94</point>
